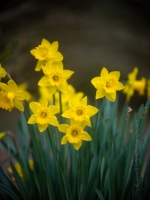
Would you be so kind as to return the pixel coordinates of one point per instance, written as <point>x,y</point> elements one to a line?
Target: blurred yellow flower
<point>2,135</point>
<point>80,111</point>
<point>11,96</point>
<point>107,84</point>
<point>43,115</point>
<point>46,93</point>
<point>19,169</point>
<point>23,87</point>
<point>133,84</point>
<point>2,72</point>
<point>74,134</point>
<point>46,52</point>
<point>55,77</point>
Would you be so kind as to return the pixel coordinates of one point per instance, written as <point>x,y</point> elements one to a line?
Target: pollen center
<point>55,78</point>
<point>43,114</point>
<point>108,84</point>
<point>79,112</point>
<point>74,132</point>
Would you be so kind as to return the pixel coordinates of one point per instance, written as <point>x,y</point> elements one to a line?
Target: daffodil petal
<point>4,87</point>
<point>91,110</point>
<point>104,73</point>
<point>64,140</point>
<point>67,114</point>
<point>63,127</point>
<point>115,74</point>
<point>111,96</point>
<point>63,87</point>
<point>48,67</point>
<point>46,43</point>
<point>86,136</point>
<point>54,47</point>
<point>12,85</point>
<point>18,104</point>
<point>57,56</point>
<point>44,81</point>
<point>21,95</point>
<point>67,74</point>
<point>119,86</point>
<point>53,109</point>
<point>100,93</point>
<point>96,82</point>
<point>39,65</point>
<point>53,121</point>
<point>77,145</point>
<point>32,119</point>
<point>84,101</point>
<point>42,127</point>
<point>34,106</point>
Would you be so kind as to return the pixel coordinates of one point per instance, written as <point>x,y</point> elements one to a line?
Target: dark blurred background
<point>91,34</point>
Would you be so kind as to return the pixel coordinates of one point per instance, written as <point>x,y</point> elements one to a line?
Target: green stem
<point>56,163</point>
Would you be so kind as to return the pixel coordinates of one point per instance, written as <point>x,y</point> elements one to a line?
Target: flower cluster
<point>57,97</point>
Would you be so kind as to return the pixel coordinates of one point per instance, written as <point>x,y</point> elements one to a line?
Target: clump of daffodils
<point>67,148</point>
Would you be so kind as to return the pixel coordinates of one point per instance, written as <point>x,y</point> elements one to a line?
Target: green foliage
<point>112,166</point>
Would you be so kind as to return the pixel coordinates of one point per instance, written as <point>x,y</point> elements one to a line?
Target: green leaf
<point>99,194</point>
<point>6,190</point>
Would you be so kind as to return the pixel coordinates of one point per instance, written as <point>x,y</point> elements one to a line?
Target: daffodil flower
<point>80,111</point>
<point>133,84</point>
<point>11,96</point>
<point>107,84</point>
<point>46,52</point>
<point>55,77</point>
<point>74,134</point>
<point>43,115</point>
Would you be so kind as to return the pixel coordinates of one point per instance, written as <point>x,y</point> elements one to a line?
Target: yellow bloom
<point>2,135</point>
<point>19,169</point>
<point>80,111</point>
<point>140,86</point>
<point>43,115</point>
<point>2,72</point>
<point>133,84</point>
<point>11,96</point>
<point>55,77</point>
<point>148,88</point>
<point>46,93</point>
<point>46,52</point>
<point>23,87</point>
<point>107,84</point>
<point>74,134</point>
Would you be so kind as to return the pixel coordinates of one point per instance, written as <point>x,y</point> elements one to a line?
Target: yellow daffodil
<point>107,84</point>
<point>46,93</point>
<point>11,96</point>
<point>133,84</point>
<point>19,169</point>
<point>23,87</point>
<point>148,88</point>
<point>43,115</point>
<point>2,135</point>
<point>46,52</point>
<point>55,77</point>
<point>80,111</point>
<point>74,134</point>
<point>2,72</point>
